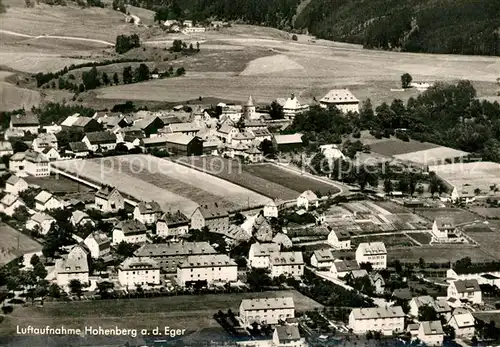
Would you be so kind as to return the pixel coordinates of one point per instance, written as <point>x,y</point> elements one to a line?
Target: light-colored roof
<point>209,260</point>
<point>309,195</point>
<point>35,157</point>
<point>282,239</point>
<point>101,238</point>
<point>288,139</point>
<point>41,217</point>
<point>105,192</point>
<point>13,180</point>
<point>445,223</point>
<point>19,156</point>
<point>175,249</point>
<point>5,146</point>
<point>378,312</point>
<point>339,96</point>
<point>464,320</point>
<point>134,263</point>
<point>78,216</point>
<point>149,207</point>
<point>267,303</point>
<point>28,119</point>
<point>264,249</point>
<point>249,102</point>
<point>71,265</point>
<point>70,120</point>
<point>184,127</point>
<point>9,199</point>
<point>440,305</point>
<point>432,328</point>
<point>370,248</point>
<point>286,258</point>
<point>179,138</point>
<point>43,197</point>
<point>287,333</point>
<point>324,255</point>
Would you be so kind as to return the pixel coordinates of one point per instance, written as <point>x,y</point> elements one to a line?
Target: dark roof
<point>403,293</point>
<point>131,227</point>
<point>101,137</point>
<point>478,268</point>
<point>129,135</point>
<point>287,333</point>
<point>174,219</point>
<point>25,120</point>
<point>105,192</point>
<point>78,147</point>
<point>467,286</point>
<point>149,207</point>
<point>213,211</point>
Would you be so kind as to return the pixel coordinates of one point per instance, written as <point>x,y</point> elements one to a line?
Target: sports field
<point>14,244</point>
<point>172,185</point>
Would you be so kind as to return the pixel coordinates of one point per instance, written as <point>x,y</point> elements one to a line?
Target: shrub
<point>294,37</point>
<point>7,309</point>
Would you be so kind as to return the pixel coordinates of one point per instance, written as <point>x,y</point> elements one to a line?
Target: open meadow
<point>458,215</point>
<point>441,254</point>
<point>476,175</point>
<point>172,185</point>
<point>191,312</point>
<point>14,244</point>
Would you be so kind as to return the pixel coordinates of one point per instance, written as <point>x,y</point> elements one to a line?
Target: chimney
<point>293,96</point>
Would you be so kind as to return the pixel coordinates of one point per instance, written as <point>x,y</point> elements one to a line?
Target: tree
<point>126,249</point>
<point>180,71</point>
<point>427,313</point>
<point>294,37</point>
<point>54,291</point>
<point>406,80</point>
<point>61,83</point>
<point>176,46</point>
<point>161,15</point>
<point>76,287</point>
<point>19,146</point>
<point>388,187</point>
<point>142,73</point>
<point>276,111</point>
<point>127,75</point>
<point>105,288</point>
<point>197,46</point>
<point>116,80</point>
<point>40,271</point>
<point>258,278</point>
<point>35,259</point>
<point>477,191</point>
<point>125,43</point>
<point>21,214</point>
<point>105,78</point>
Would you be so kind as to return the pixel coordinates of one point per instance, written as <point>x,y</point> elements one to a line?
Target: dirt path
<point>13,33</point>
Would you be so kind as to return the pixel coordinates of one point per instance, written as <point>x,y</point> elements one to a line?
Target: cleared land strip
<point>8,32</point>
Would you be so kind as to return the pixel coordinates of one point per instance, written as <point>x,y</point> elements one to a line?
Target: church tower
<point>249,111</point>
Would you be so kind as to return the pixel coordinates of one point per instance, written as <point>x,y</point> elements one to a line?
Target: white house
<point>288,336</point>
<point>331,152</point>
<point>287,264</point>
<point>68,269</point>
<point>211,269</point>
<point>339,239</point>
<point>147,212</point>
<point>441,228</point>
<point>307,199</point>
<point>6,148</point>
<point>131,231</point>
<point>40,221</point>
<point>373,253</point>
<point>322,259</point>
<point>271,209</point>
<point>259,254</point>
<point>9,203</point>
<point>15,185</point>
<point>343,99</point>
<point>99,244</point>
<point>36,164</point>
<point>468,290</point>
<point>431,333</point>
<point>51,153</point>
<point>172,224</point>
<point>292,107</point>
<point>464,324</point>
<point>109,199</point>
<point>100,140</point>
<point>80,218</point>
<point>16,163</point>
<point>266,310</point>
<point>489,274</point>
<point>43,141</point>
<point>341,268</point>
<point>46,201</point>
<point>383,319</point>
<point>134,272</point>
<point>25,122</point>
<point>440,305</point>
<point>78,149</point>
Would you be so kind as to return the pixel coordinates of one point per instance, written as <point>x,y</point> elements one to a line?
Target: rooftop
<point>149,207</point>
<point>432,328</point>
<point>371,248</point>
<point>264,249</point>
<point>212,260</point>
<point>288,139</point>
<point>267,303</point>
<point>29,119</point>
<point>131,227</point>
<point>287,333</point>
<point>286,258</point>
<point>378,312</point>
<point>339,96</point>
<point>134,263</point>
<point>101,137</point>
<point>175,249</point>
<point>467,286</point>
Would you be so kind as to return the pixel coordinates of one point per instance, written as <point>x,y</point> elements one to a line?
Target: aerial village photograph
<point>254,173</point>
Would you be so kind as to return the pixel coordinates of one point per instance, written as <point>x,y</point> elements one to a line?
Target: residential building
<point>377,282</point>
<point>16,163</point>
<point>68,269</point>
<point>227,131</point>
<point>131,231</point>
<point>109,199</point>
<point>190,129</point>
<point>431,333</point>
<point>343,99</point>
<point>6,148</point>
<point>484,274</point>
<point>36,164</point>
<point>79,251</point>
<point>100,141</point>
<point>43,141</point>
<point>266,310</point>
<point>9,203</point>
<point>170,255</point>
<point>80,123</point>
<point>384,319</point>
<point>287,264</point>
<point>46,201</point>
<point>262,229</point>
<point>212,216</point>
<point>283,240</point>
<point>271,209</point>
<point>259,254</point>
<point>149,125</point>
<point>374,253</point>
<point>339,239</point>
<point>307,200</point>
<point>342,268</point>
<point>51,153</point>
<point>99,244</point>
<point>322,259</point>
<point>135,272</point>
<point>288,336</point>
<point>464,324</point>
<point>27,123</point>
<point>15,185</point>
<point>261,134</point>
<point>181,144</point>
<point>253,155</point>
<point>147,212</point>
<point>465,290</point>
<point>78,149</point>
<point>440,305</point>
<point>172,224</point>
<point>292,107</point>
<point>80,218</point>
<point>441,228</point>
<point>209,269</point>
<point>41,222</point>
<point>288,143</point>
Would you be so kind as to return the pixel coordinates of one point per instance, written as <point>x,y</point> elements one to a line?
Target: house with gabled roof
<point>441,228</point>
<point>100,140</point>
<point>259,254</point>
<point>36,164</point>
<point>82,124</point>
<point>288,335</point>
<point>14,185</point>
<point>47,201</point>
<point>149,125</point>
<point>440,305</point>
<point>283,240</point>
<point>78,149</point>
<point>292,107</point>
<point>209,269</point>
<point>51,153</point>
<point>68,269</point>
<point>339,239</point>
<point>288,143</point>
<point>40,221</point>
<point>266,310</point>
<point>147,212</point>
<point>16,163</point>
<point>322,259</point>
<point>307,200</point>
<point>9,203</point>
<point>271,209</point>
<point>431,333</point>
<point>183,128</point>
<point>26,123</point>
<point>80,218</point>
<point>227,131</point>
<point>341,268</point>
<point>43,141</point>
<point>172,224</point>
<point>387,319</point>
<point>465,290</point>
<point>99,244</point>
<point>130,231</point>
<point>134,272</point>
<point>342,99</point>
<point>213,216</point>
<point>109,199</point>
<point>463,323</point>
<point>287,264</point>
<point>6,148</point>
<point>374,253</point>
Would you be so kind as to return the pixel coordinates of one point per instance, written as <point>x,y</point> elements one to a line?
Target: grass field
<point>423,238</point>
<point>266,179</point>
<point>458,215</point>
<point>477,175</point>
<point>487,212</point>
<point>397,240</point>
<point>172,185</point>
<point>433,156</point>
<point>58,184</point>
<point>192,313</point>
<point>488,241</point>
<point>11,238</point>
<point>393,146</point>
<point>439,254</point>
